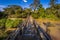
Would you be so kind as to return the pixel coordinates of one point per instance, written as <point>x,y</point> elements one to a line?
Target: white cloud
<point>1,7</point>
<point>25,0</point>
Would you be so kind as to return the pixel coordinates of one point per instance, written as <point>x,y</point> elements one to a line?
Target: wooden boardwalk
<point>29,31</point>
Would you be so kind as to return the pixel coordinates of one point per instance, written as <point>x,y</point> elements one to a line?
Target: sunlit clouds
<point>25,0</point>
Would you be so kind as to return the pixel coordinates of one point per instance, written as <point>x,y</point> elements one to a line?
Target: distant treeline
<point>36,10</point>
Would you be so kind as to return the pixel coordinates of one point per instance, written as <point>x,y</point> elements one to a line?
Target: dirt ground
<point>53,30</point>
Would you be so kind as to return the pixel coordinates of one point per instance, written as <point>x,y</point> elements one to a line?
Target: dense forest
<point>36,10</point>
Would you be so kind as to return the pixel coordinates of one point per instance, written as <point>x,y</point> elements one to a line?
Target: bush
<point>51,16</point>
<point>35,15</point>
<point>9,23</point>
<point>2,23</point>
<point>12,23</point>
<point>16,22</point>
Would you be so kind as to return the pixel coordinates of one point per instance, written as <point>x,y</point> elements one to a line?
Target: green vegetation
<point>9,23</point>
<point>39,13</point>
<point>12,23</point>
<point>6,24</point>
<point>36,10</point>
<point>2,23</point>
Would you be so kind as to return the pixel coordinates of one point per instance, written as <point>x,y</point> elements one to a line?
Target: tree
<point>41,11</point>
<point>13,10</point>
<point>52,3</point>
<point>57,7</point>
<point>53,7</point>
<point>35,4</point>
<point>2,15</point>
<point>26,12</point>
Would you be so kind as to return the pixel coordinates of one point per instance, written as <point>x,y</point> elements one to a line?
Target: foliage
<point>41,11</point>
<point>12,23</point>
<point>2,23</point>
<point>52,3</point>
<point>2,15</point>
<point>9,23</point>
<point>35,15</point>
<point>17,22</point>
<point>13,10</point>
<point>35,4</point>
<point>36,10</point>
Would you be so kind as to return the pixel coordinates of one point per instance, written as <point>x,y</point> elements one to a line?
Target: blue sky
<point>23,3</point>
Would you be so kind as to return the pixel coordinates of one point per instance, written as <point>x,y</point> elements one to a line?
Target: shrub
<point>51,16</point>
<point>12,23</point>
<point>2,23</point>
<point>9,23</point>
<point>16,22</point>
<point>35,15</point>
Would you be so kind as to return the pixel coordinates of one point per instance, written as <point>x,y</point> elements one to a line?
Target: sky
<point>23,3</point>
